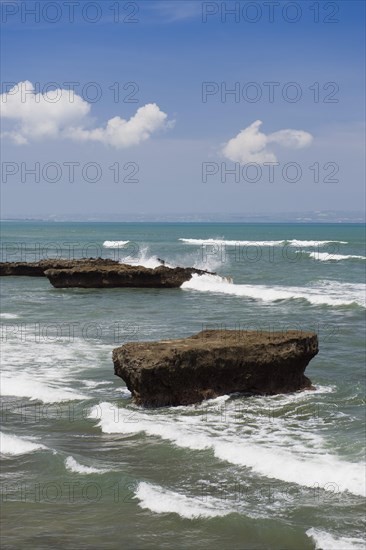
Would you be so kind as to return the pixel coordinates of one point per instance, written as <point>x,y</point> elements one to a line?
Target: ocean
<point>84,468</point>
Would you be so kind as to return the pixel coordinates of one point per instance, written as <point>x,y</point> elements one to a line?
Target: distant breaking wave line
<point>292,242</point>
<point>329,257</point>
<point>231,243</point>
<point>296,242</point>
<point>114,244</point>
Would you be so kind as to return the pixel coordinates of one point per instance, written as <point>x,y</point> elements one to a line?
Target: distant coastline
<point>325,217</point>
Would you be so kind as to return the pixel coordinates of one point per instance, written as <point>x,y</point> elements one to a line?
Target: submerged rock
<point>213,363</point>
<point>37,269</point>
<point>121,275</point>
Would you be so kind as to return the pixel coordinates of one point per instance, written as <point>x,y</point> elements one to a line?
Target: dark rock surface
<point>37,269</point>
<point>99,273</point>
<point>120,275</point>
<point>213,363</point>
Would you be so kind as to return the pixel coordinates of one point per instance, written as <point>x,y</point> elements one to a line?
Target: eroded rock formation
<point>213,363</point>
<point>120,275</point>
<point>37,269</point>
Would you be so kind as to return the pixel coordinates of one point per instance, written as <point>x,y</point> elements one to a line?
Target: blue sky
<point>167,55</point>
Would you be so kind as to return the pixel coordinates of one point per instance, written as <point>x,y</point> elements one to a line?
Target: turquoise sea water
<point>85,468</point>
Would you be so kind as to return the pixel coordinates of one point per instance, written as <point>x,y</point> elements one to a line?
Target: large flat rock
<point>120,275</point>
<point>37,269</point>
<point>100,273</point>
<point>213,363</point>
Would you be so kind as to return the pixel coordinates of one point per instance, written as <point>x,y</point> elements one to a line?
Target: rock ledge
<point>100,273</point>
<point>37,269</point>
<point>213,363</point>
<point>120,275</point>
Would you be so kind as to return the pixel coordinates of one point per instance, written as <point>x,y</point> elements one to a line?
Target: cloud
<point>293,139</point>
<point>121,133</point>
<point>63,114</point>
<point>40,116</point>
<point>250,145</point>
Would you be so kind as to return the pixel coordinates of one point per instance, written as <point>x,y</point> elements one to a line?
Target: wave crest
<point>326,541</point>
<point>114,244</point>
<point>74,466</point>
<point>303,460</point>
<point>329,293</point>
<point>238,242</point>
<point>13,445</point>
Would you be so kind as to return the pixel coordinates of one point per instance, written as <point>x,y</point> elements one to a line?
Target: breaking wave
<point>163,501</point>
<point>9,316</point>
<point>23,385</point>
<point>74,466</point>
<point>292,242</point>
<point>114,244</point>
<point>145,259</point>
<point>326,292</point>
<point>330,257</point>
<point>326,541</point>
<point>13,445</point>
<point>279,450</point>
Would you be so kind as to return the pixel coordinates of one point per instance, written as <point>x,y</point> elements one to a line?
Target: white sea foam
<point>292,242</point>
<point>94,383</point>
<point>209,263</point>
<point>203,505</point>
<point>324,470</point>
<point>221,242</point>
<point>9,316</point>
<point>114,244</point>
<point>297,242</point>
<point>326,541</point>
<point>330,257</point>
<point>45,368</point>
<point>278,449</point>
<point>125,392</point>
<point>26,385</point>
<point>330,293</point>
<point>74,466</point>
<point>14,445</point>
<point>163,501</point>
<point>145,259</point>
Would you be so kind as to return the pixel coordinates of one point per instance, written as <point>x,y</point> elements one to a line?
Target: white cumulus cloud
<point>63,114</point>
<point>251,145</point>
<point>122,133</point>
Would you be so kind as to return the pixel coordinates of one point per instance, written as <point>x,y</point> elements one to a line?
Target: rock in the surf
<point>213,363</point>
<point>121,275</point>
<point>37,269</point>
